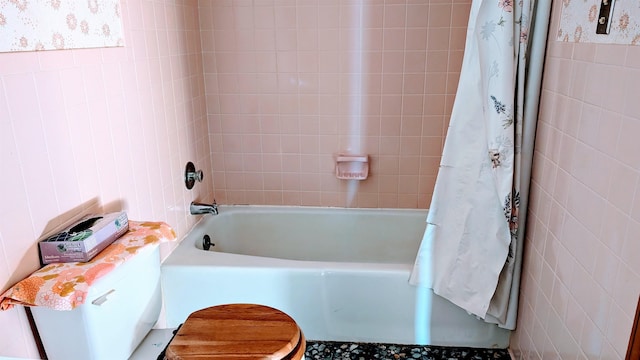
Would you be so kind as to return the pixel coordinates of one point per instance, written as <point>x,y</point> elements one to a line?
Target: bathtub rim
<point>187,253</point>
<point>223,208</point>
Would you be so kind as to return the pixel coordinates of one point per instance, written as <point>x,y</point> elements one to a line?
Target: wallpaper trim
<point>580,18</point>
<point>32,25</point>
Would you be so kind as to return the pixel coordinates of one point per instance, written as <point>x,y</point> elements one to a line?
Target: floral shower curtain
<point>469,247</point>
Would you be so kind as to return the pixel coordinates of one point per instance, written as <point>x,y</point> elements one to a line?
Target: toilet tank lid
<point>63,286</point>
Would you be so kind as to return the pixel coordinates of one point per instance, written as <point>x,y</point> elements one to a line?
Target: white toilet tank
<point>120,309</point>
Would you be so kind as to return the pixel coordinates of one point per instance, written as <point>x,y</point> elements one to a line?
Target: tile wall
<point>101,126</point>
<point>291,83</point>
<point>581,278</point>
<point>284,85</point>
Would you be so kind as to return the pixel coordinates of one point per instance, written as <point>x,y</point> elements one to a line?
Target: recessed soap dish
<point>352,167</point>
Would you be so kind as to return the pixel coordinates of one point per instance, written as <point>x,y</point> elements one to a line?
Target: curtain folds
<point>471,248</point>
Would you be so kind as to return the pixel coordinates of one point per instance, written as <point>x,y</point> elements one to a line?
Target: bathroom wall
<point>581,278</point>
<point>291,83</point>
<point>112,126</point>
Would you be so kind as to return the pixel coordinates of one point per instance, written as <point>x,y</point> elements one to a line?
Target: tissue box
<point>84,239</point>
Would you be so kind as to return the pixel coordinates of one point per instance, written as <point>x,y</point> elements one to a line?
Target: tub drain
<point>206,242</point>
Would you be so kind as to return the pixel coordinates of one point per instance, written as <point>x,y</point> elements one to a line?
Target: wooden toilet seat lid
<point>238,332</point>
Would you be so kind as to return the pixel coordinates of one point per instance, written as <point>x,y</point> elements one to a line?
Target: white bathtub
<point>342,274</point>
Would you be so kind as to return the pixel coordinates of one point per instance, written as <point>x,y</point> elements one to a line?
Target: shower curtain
<point>471,250</point>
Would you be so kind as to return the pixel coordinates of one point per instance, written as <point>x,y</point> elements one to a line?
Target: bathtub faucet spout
<point>197,208</point>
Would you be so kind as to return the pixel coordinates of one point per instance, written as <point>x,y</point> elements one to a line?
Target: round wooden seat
<point>238,332</point>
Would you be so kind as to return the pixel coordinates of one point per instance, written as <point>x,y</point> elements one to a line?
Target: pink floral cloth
<point>63,286</point>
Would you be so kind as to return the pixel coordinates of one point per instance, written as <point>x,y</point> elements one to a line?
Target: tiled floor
<point>359,351</point>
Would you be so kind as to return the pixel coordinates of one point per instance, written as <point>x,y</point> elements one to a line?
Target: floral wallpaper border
<point>580,18</point>
<point>33,25</point>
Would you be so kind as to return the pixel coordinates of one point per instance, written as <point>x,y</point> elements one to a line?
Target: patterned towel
<point>63,286</point>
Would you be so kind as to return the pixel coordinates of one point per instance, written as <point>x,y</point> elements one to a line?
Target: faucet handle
<point>191,175</point>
